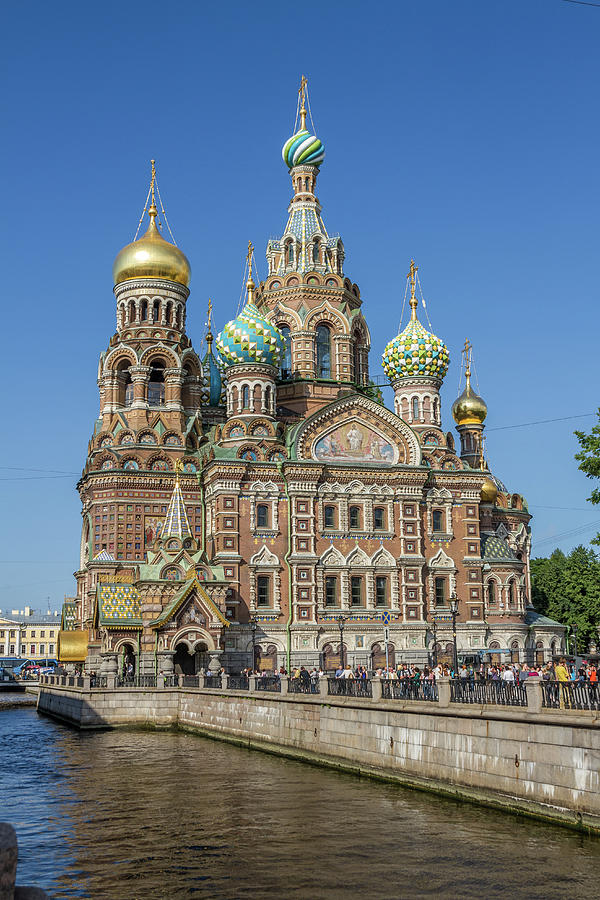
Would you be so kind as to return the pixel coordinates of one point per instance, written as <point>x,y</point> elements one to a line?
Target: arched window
<point>436,409</point>
<point>169,315</point>
<point>306,184</point>
<point>511,594</point>
<point>316,252</point>
<point>156,384</point>
<point>323,352</point>
<point>144,310</point>
<point>415,407</point>
<point>132,310</point>
<point>156,311</point>
<point>289,252</point>
<point>125,384</point>
<point>245,396</point>
<point>286,362</point>
<point>354,515</point>
<point>268,398</point>
<point>262,515</point>
<point>491,592</point>
<point>438,520</point>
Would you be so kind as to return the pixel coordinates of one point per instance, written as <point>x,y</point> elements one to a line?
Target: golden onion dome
<point>469,408</point>
<point>152,257</point>
<point>489,491</point>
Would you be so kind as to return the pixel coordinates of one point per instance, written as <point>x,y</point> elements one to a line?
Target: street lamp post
<point>574,630</point>
<point>253,627</point>
<point>454,613</point>
<point>435,656</point>
<point>341,620</point>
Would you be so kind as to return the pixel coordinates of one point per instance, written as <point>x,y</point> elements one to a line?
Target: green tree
<point>567,588</point>
<point>589,461</point>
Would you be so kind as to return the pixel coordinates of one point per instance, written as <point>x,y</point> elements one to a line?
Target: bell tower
<point>307,295</point>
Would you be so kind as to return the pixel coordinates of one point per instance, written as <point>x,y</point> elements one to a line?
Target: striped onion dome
<point>250,338</point>
<point>415,351</point>
<point>303,149</point>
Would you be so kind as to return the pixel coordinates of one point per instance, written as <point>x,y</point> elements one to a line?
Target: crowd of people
<point>509,673</point>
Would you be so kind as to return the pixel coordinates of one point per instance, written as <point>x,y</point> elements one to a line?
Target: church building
<point>263,501</point>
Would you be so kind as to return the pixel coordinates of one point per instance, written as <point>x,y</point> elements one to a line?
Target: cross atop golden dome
<point>469,408</point>
<point>151,256</point>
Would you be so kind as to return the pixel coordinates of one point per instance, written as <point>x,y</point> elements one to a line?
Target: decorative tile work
<point>415,352</point>
<point>118,605</point>
<point>250,338</point>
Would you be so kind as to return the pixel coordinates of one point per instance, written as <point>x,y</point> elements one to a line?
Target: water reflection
<point>165,815</point>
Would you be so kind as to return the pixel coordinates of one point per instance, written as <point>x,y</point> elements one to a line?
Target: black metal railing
<point>268,683</point>
<point>409,690</point>
<point>301,686</point>
<point>238,682</point>
<point>570,695</point>
<point>132,681</point>
<point>495,693</point>
<point>349,687</point>
<point>212,681</point>
<point>190,681</point>
<point>171,680</point>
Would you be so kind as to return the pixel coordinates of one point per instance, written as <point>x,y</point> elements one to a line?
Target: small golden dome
<point>489,491</point>
<point>469,408</point>
<point>152,257</point>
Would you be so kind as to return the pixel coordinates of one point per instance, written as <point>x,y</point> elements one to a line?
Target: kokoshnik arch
<point>267,484</point>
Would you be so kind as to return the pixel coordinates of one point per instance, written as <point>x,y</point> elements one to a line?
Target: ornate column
<point>173,382</point>
<point>139,378</point>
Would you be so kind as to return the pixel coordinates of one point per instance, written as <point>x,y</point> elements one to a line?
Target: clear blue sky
<point>460,132</point>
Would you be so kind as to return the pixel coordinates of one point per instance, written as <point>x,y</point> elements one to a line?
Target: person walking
<point>562,676</point>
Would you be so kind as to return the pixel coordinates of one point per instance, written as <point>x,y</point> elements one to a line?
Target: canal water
<point>140,814</point>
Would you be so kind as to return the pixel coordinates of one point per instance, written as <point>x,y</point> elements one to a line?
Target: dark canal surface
<point>129,815</point>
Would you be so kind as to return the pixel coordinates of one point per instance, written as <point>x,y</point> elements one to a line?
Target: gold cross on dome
<point>249,259</point>
<point>467,357</point>
<point>153,179</point>
<point>302,95</point>
<point>412,277</point>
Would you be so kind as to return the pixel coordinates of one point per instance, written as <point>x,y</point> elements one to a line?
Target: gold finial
<point>412,276</point>
<point>209,337</point>
<point>178,469</point>
<point>153,180</point>
<point>250,282</point>
<point>467,356</point>
<point>302,95</point>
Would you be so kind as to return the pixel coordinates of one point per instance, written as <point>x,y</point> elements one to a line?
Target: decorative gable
<point>357,430</point>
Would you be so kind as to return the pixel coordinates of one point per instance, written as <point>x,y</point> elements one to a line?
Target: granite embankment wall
<point>543,763</point>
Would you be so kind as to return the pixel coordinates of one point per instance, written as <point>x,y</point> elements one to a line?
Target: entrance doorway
<point>127,661</point>
<point>183,661</point>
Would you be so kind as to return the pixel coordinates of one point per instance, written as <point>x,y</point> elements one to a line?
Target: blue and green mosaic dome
<point>415,352</point>
<point>250,338</point>
<point>303,149</point>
